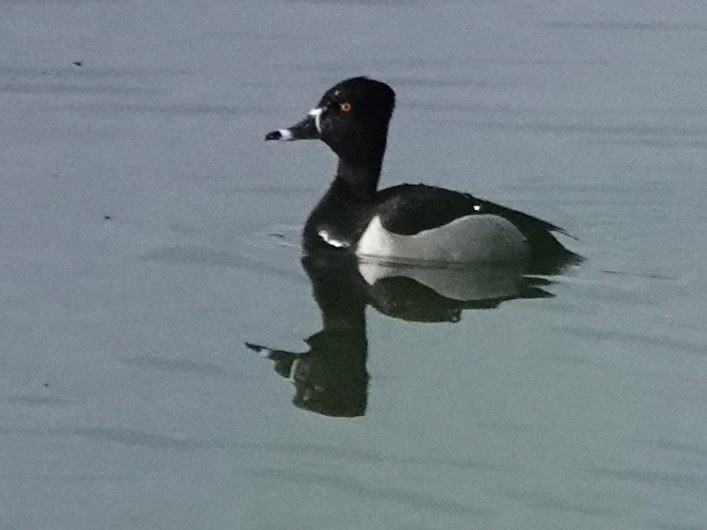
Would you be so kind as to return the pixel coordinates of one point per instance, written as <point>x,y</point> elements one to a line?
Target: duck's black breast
<point>338,220</point>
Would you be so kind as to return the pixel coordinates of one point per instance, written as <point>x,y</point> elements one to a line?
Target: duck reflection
<point>331,377</point>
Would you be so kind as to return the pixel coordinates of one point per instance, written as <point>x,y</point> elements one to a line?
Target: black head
<point>352,118</point>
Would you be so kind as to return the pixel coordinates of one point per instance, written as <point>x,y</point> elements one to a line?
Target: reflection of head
<point>330,378</point>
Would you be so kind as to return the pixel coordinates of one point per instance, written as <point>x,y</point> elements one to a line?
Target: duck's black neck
<point>360,179</point>
<point>360,164</point>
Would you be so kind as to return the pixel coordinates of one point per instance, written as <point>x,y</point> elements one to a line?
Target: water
<point>148,234</point>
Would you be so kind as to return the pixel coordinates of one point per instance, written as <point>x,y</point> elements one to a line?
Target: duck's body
<point>418,222</point>
<point>405,222</point>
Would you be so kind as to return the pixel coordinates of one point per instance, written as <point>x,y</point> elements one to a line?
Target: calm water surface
<point>148,234</point>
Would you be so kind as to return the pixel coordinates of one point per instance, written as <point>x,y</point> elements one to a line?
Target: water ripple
<point>546,501</point>
<point>606,25</point>
<point>177,365</point>
<point>71,88</point>
<point>369,456</point>
<point>137,438</point>
<point>692,482</point>
<point>198,255</point>
<point>36,401</point>
<point>355,487</point>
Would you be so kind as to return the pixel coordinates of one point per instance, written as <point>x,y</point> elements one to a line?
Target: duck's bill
<point>307,129</point>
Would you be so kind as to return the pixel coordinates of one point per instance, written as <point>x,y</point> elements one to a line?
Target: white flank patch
<point>331,240</point>
<point>317,113</point>
<point>469,239</point>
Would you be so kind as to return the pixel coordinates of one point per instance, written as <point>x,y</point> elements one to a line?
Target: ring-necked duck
<point>406,222</point>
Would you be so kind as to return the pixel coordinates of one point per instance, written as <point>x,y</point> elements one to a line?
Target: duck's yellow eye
<point>345,107</point>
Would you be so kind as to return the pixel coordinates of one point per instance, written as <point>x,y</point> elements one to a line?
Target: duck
<point>406,223</point>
